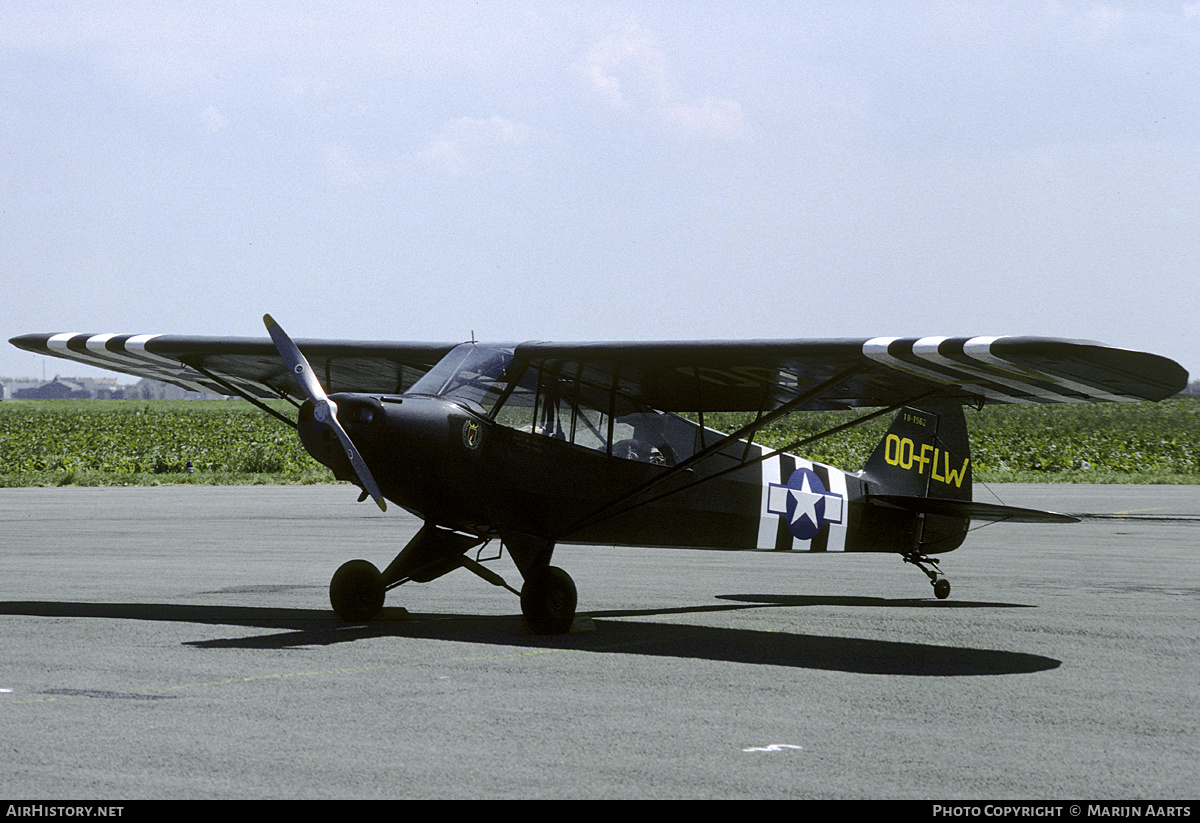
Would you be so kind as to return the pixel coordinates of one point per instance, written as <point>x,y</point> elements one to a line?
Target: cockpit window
<point>473,375</point>
<point>546,404</point>
<point>565,408</point>
<point>556,405</point>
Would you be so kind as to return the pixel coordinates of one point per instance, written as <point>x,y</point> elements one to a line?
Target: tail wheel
<point>929,565</point>
<point>356,591</point>
<point>548,601</point>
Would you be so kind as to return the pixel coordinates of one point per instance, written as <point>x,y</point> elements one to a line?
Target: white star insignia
<point>806,502</point>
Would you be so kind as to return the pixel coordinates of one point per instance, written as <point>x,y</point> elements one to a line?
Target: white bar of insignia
<point>768,524</point>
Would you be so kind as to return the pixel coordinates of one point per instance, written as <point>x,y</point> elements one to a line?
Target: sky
<point>437,171</point>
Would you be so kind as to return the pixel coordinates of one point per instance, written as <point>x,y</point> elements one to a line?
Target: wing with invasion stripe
<point>674,375</point>
<point>241,365</point>
<point>880,371</point>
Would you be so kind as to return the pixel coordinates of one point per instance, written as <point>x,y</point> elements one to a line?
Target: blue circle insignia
<point>806,502</point>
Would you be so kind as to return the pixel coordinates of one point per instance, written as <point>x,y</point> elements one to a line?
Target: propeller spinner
<point>324,409</point>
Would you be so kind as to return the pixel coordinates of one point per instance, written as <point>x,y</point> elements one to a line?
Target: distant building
<point>56,389</point>
<point>147,389</point>
<point>13,385</point>
<point>100,388</point>
<point>103,388</point>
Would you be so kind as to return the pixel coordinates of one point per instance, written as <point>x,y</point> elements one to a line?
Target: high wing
<point>672,376</point>
<point>243,365</point>
<point>880,371</point>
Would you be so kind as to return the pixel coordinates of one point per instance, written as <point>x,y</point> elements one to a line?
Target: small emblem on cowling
<point>472,434</point>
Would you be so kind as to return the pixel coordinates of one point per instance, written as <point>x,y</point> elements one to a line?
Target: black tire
<point>356,591</point>
<point>548,601</point>
<point>941,589</point>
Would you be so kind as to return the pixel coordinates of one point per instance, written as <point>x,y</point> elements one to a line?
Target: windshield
<point>471,374</point>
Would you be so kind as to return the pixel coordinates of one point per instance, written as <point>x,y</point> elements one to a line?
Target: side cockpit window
<point>546,404</point>
<point>558,404</point>
<point>572,411</point>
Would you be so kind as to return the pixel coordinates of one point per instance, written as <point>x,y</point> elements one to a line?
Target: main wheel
<point>356,591</point>
<point>941,589</point>
<point>548,601</point>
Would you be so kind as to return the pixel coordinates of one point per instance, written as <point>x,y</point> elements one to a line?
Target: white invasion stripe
<point>136,346</point>
<point>768,524</point>
<point>98,343</point>
<point>168,371</point>
<point>59,341</point>
<point>837,531</point>
<point>981,349</point>
<point>58,344</point>
<point>98,355</point>
<point>877,349</point>
<point>927,349</point>
<point>173,370</point>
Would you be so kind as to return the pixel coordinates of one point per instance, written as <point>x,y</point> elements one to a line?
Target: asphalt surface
<point>177,643</point>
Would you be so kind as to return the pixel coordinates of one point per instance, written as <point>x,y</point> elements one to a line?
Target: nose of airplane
<point>399,438</point>
<point>361,417</point>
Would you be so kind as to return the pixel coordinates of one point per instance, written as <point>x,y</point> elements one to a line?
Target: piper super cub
<point>536,444</point>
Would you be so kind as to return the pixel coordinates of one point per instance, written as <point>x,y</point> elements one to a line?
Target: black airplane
<point>536,444</point>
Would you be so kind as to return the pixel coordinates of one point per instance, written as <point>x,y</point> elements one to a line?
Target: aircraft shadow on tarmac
<point>593,632</point>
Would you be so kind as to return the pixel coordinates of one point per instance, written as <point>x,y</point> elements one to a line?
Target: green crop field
<point>115,442</point>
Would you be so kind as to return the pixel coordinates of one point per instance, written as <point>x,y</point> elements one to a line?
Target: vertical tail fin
<point>924,456</point>
<point>925,453</point>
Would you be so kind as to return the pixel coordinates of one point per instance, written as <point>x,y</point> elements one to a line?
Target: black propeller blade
<point>324,409</point>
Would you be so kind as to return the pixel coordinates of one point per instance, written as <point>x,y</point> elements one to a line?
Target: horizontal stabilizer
<point>969,509</point>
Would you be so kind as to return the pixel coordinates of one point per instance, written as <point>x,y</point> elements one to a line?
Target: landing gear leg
<point>548,600</point>
<point>548,597</point>
<point>358,588</point>
<point>929,565</point>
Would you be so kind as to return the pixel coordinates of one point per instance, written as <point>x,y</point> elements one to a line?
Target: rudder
<point>925,455</point>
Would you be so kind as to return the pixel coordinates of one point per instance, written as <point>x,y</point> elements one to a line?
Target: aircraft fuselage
<point>551,463</point>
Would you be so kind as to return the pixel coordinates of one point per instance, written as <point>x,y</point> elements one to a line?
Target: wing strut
<point>607,510</point>
<point>245,395</point>
<point>746,432</point>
